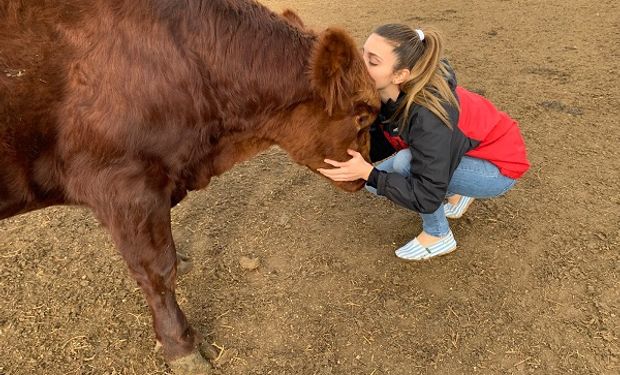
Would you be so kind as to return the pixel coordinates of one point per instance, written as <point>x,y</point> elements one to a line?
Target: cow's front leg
<point>142,233</point>
<point>184,264</point>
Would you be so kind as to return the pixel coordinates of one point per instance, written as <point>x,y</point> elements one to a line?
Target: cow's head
<point>345,104</point>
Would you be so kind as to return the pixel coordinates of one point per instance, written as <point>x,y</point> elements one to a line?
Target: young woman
<point>449,143</point>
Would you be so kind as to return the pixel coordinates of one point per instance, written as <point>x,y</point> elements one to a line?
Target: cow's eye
<point>362,120</point>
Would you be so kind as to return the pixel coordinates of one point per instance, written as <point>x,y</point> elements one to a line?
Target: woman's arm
<point>425,188</point>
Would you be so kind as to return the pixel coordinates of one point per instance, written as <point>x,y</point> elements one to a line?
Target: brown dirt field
<point>533,288</point>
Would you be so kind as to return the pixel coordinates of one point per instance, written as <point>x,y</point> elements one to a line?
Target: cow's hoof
<point>193,364</point>
<point>184,264</point>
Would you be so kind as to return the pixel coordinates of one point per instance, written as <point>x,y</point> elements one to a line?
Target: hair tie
<point>420,34</point>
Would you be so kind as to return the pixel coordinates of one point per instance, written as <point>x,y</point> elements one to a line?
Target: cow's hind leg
<point>184,264</point>
<point>141,231</point>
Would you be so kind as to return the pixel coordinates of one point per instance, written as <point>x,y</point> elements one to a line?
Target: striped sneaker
<point>414,250</point>
<point>456,211</point>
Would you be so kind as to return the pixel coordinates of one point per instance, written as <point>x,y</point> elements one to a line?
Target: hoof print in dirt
<point>557,106</point>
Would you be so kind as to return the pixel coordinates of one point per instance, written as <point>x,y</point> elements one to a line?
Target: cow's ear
<point>333,68</point>
<point>292,18</point>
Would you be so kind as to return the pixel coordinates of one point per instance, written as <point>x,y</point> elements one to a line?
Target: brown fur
<point>293,18</point>
<point>125,105</point>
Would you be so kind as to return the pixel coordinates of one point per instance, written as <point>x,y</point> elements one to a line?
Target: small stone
<point>249,264</point>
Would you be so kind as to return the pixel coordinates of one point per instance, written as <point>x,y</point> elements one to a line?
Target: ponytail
<point>421,53</point>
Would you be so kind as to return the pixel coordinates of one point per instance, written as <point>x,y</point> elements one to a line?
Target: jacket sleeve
<point>425,188</point>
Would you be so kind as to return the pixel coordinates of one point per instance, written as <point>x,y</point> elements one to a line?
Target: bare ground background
<point>533,288</point>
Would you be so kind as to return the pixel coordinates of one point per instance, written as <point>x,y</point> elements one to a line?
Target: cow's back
<point>146,84</point>
<point>88,86</point>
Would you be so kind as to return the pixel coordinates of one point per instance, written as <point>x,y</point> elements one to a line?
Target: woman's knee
<point>509,183</point>
<point>402,162</point>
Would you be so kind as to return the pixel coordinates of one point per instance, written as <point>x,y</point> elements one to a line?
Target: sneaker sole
<point>427,259</point>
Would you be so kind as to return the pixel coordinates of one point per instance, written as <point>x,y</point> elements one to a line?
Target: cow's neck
<point>259,68</point>
<point>253,79</point>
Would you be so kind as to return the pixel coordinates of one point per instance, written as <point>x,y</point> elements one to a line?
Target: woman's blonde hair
<point>421,53</point>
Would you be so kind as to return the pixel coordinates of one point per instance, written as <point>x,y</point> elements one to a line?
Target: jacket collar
<point>389,108</point>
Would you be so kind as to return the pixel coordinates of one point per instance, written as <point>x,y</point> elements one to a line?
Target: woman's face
<point>380,60</point>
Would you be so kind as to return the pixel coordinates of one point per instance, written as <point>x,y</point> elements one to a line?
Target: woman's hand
<point>354,169</point>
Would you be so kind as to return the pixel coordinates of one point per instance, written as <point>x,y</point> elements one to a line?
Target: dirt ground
<point>533,288</point>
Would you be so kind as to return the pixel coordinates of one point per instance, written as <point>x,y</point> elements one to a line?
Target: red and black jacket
<point>479,130</point>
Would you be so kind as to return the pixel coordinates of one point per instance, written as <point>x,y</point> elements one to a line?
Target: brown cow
<point>125,105</point>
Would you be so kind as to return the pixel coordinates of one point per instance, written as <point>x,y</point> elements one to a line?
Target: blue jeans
<point>473,177</point>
